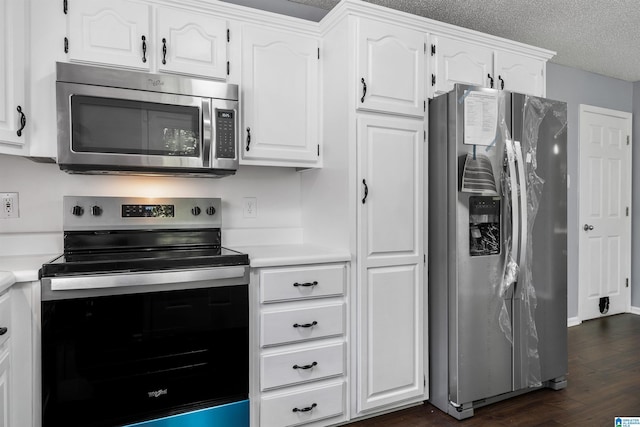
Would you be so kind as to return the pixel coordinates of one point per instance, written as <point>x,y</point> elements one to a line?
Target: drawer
<point>300,324</point>
<point>299,366</point>
<point>5,317</point>
<point>302,282</point>
<point>302,407</point>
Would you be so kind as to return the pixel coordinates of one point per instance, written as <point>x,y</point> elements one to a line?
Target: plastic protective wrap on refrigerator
<point>517,274</point>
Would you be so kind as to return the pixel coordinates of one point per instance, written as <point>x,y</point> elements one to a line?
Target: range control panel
<point>118,213</point>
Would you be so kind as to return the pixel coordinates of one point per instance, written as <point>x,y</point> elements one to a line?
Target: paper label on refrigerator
<point>480,118</point>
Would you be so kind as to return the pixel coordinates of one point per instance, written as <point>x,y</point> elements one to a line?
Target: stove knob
<point>96,210</point>
<point>78,210</point>
<point>211,210</point>
<point>196,210</point>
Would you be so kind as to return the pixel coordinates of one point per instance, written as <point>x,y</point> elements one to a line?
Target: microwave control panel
<point>225,134</point>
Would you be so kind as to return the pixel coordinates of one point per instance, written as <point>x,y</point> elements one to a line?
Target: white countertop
<point>6,280</point>
<point>295,254</point>
<point>24,268</point>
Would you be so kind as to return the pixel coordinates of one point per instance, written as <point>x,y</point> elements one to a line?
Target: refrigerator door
<point>540,298</point>
<point>480,355</point>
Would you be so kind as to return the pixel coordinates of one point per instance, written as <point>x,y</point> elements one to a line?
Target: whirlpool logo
<point>157,393</point>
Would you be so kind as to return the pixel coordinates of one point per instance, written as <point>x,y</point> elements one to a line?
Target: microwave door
<point>121,128</point>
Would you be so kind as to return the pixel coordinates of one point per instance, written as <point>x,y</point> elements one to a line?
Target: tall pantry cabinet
<point>369,197</point>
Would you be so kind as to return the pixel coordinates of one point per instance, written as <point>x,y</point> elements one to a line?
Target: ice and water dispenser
<point>484,225</point>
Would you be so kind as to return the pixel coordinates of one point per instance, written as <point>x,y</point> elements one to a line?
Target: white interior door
<point>604,209</point>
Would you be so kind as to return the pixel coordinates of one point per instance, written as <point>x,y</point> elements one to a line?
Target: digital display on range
<point>151,211</point>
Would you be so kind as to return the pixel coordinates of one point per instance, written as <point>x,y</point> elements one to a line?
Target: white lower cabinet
<point>302,335</point>
<point>304,406</point>
<point>5,360</point>
<point>4,386</point>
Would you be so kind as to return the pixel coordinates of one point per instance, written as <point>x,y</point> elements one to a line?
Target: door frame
<point>584,108</point>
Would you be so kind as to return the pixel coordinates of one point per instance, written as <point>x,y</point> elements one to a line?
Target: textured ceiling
<point>601,36</point>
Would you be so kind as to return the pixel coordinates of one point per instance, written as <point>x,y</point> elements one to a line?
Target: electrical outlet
<point>9,207</point>
<point>250,207</point>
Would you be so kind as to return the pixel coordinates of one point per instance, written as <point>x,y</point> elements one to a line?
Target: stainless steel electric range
<point>144,316</point>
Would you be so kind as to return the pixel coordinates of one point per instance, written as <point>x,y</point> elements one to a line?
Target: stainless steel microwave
<point>115,121</point>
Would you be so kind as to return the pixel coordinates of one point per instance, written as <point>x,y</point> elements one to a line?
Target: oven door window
<point>121,126</point>
<point>119,359</point>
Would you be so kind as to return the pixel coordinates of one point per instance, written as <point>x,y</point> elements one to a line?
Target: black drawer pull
<point>306,325</point>
<point>306,285</point>
<point>4,330</point>
<point>307,409</point>
<point>305,366</point>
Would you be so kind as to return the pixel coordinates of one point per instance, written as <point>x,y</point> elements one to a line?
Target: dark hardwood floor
<point>603,382</point>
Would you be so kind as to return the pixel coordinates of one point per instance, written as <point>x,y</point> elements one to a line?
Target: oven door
<point>122,356</point>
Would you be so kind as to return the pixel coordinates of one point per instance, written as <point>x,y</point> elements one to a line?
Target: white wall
<point>41,187</point>
<point>581,87</point>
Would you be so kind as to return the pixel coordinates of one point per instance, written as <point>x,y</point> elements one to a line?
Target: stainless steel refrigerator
<point>497,247</point>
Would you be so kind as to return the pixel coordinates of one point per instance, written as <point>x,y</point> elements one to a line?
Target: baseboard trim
<point>635,310</point>
<point>573,321</point>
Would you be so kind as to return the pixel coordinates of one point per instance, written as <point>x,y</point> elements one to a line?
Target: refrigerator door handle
<point>524,205</point>
<point>515,201</point>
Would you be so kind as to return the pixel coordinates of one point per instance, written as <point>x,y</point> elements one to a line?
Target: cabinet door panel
<point>5,408</point>
<point>520,73</point>
<point>12,83</point>
<point>461,62</point>
<point>110,32</point>
<point>391,63</point>
<point>390,150</point>
<point>280,96</point>
<point>195,44</point>
<point>390,297</point>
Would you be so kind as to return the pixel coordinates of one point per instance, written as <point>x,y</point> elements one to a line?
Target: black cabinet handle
<point>307,409</point>
<point>490,81</point>
<point>164,50</point>
<point>305,285</point>
<point>4,330</point>
<point>364,89</point>
<point>248,137</point>
<point>144,49</point>
<point>501,82</point>
<point>23,121</point>
<point>366,191</point>
<point>305,366</point>
<point>306,325</point>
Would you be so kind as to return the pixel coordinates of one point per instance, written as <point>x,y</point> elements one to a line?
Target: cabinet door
<point>461,62</point>
<point>390,299</point>
<point>114,32</point>
<point>390,68</point>
<point>520,73</point>
<point>12,77</point>
<point>191,43</point>
<point>280,101</point>
<point>4,387</point>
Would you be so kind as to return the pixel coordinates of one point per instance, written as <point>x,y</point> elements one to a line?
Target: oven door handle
<point>120,280</point>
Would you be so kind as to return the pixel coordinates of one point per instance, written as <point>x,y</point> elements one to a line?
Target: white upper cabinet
<point>114,32</point>
<point>390,68</point>
<point>280,98</point>
<point>13,53</point>
<point>459,61</point>
<point>147,37</point>
<point>190,43</point>
<point>520,73</point>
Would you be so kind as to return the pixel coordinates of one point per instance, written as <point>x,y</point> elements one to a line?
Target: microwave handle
<point>206,132</point>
